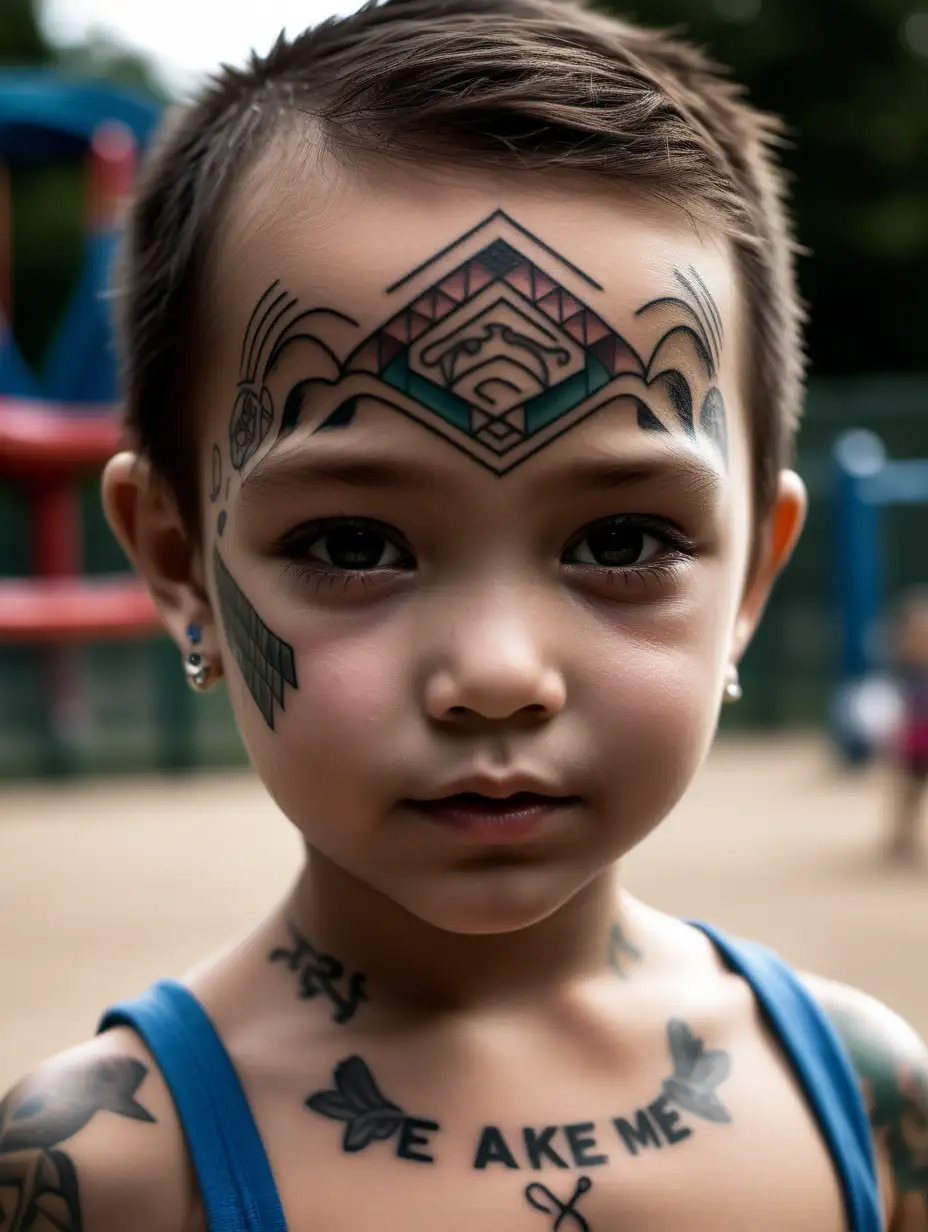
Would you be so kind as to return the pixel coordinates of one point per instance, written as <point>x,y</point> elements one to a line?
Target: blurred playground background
<point>94,712</point>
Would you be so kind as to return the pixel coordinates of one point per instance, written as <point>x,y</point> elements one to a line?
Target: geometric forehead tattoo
<point>491,352</point>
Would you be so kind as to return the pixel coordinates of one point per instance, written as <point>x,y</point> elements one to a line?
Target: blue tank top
<point>235,1179</point>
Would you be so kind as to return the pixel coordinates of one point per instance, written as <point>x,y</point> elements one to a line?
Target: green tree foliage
<point>21,38</point>
<point>850,78</point>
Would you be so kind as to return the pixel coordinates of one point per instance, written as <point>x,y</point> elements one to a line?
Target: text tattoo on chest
<point>488,348</point>
<point>368,1116</point>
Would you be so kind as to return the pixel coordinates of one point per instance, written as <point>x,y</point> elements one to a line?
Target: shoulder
<point>891,1061</point>
<point>89,1142</point>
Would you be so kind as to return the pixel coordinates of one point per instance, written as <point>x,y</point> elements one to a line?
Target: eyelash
<point>659,571</point>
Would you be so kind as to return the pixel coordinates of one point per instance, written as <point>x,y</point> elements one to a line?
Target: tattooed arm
<point>892,1063</point>
<point>89,1143</point>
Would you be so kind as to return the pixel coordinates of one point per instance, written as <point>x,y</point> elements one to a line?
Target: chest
<point>518,1148</point>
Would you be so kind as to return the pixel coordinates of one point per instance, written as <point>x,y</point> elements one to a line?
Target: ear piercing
<point>195,667</point>
<point>733,691</point>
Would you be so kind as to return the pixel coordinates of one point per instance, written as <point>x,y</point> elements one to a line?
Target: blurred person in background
<point>910,747</point>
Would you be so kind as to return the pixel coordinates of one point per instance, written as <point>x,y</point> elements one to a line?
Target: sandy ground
<point>108,885</point>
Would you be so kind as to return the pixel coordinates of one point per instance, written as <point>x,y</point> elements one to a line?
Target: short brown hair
<point>532,83</point>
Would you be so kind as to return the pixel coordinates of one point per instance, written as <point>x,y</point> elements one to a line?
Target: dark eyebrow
<point>684,468</point>
<point>300,470</point>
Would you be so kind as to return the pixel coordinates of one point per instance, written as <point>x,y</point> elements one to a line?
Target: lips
<point>499,818</point>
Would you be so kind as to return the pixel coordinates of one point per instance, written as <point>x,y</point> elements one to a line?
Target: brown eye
<point>615,545</point>
<point>352,547</point>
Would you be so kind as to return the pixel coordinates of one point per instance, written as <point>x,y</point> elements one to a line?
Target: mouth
<point>495,818</point>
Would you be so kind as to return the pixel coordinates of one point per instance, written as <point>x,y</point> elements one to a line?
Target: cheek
<point>654,706</point>
<point>354,683</point>
<point>352,687</point>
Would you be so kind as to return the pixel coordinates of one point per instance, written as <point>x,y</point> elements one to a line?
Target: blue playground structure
<point>866,482</point>
<point>59,425</point>
<point>46,118</point>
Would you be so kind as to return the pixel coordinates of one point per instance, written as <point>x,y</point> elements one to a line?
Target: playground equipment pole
<point>858,457</point>
<point>865,484</point>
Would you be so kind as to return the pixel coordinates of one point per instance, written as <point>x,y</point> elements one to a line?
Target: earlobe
<point>146,521</point>
<point>780,535</point>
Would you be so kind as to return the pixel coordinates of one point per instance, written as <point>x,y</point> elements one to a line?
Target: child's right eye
<point>351,545</point>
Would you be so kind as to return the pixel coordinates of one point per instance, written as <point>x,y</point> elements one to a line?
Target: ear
<point>146,521</point>
<point>779,535</point>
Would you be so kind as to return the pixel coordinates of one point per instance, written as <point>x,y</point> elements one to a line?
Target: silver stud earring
<point>197,670</point>
<point>733,690</point>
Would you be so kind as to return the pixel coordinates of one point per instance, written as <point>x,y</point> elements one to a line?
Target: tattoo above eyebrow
<point>494,354</point>
<point>216,481</point>
<point>264,659</point>
<point>275,324</point>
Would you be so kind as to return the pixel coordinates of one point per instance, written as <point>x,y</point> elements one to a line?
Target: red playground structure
<point>52,436</point>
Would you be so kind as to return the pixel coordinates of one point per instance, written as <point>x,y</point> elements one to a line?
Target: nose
<point>492,666</point>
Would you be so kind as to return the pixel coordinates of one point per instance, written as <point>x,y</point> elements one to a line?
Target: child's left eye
<point>617,543</point>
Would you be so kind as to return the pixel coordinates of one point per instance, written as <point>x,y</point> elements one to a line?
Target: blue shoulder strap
<point>232,1168</point>
<point>822,1066</point>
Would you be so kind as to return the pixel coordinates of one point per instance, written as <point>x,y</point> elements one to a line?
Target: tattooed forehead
<point>491,345</point>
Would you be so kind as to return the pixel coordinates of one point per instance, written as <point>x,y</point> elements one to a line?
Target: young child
<point>911,760</point>
<point>462,370</point>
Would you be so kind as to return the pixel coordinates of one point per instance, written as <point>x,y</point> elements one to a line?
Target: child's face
<point>480,495</point>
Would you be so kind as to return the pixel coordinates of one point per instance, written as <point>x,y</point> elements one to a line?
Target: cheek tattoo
<point>265,660</point>
<point>490,352</point>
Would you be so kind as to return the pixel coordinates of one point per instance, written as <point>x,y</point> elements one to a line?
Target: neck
<point>412,965</point>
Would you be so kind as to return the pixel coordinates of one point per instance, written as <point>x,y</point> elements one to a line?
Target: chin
<point>494,898</point>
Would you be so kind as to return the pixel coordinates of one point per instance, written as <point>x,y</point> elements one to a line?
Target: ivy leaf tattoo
<point>357,1100</point>
<point>696,1074</point>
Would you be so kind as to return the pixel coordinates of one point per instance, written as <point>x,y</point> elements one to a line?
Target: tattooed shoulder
<point>891,1062</point>
<point>85,1146</point>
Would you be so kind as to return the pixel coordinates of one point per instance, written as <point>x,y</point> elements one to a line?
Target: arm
<point>892,1063</point>
<point>88,1143</point>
